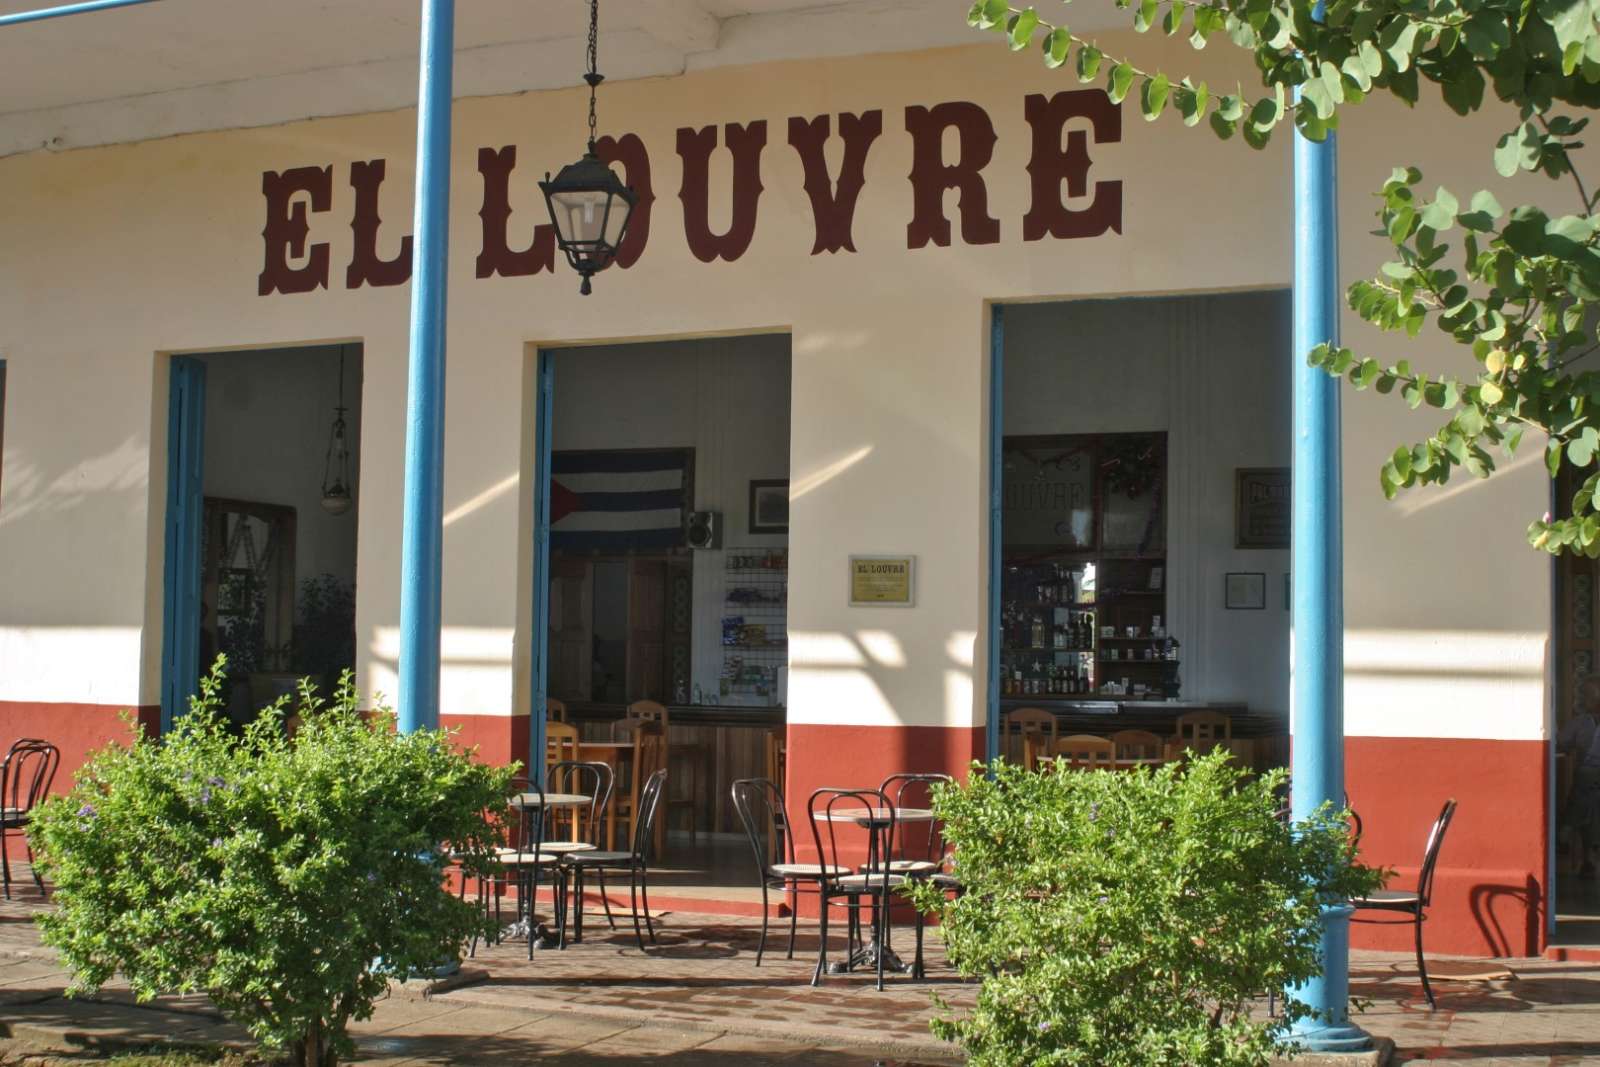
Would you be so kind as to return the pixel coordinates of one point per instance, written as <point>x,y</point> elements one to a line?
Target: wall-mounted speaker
<point>704,530</point>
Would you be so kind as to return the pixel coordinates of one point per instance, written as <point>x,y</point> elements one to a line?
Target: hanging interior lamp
<point>589,205</point>
<point>336,495</point>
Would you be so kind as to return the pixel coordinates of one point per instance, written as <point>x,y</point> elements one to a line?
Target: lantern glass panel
<point>584,214</point>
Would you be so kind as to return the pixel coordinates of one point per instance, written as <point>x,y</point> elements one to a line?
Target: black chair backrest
<point>916,791</point>
<point>1430,855</point>
<point>593,780</point>
<point>27,773</point>
<point>832,807</point>
<point>645,818</point>
<point>761,809</point>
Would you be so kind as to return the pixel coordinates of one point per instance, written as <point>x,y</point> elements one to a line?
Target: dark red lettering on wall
<point>495,254</point>
<point>695,147</point>
<point>287,229</point>
<point>1050,165</point>
<point>931,175</point>
<point>630,152</point>
<point>833,212</point>
<point>366,266</point>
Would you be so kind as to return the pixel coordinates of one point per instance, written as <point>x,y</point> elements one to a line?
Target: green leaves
<point>1056,44</point>
<point>1064,873</point>
<point>288,880</point>
<point>1153,96</point>
<point>1517,286</point>
<point>1121,81</point>
<point>1021,28</point>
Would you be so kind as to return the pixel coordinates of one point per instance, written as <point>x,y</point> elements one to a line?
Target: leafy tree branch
<point>1521,290</point>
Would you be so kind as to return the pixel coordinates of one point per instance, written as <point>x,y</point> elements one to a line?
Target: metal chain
<point>594,39</point>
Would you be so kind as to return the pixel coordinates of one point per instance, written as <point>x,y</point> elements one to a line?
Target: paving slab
<point>696,997</point>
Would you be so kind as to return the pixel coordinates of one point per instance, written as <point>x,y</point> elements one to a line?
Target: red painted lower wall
<point>498,738</point>
<point>76,729</point>
<point>1488,894</point>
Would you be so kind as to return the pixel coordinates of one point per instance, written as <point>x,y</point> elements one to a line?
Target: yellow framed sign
<point>883,581</point>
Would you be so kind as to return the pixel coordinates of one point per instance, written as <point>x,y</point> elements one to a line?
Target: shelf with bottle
<point>755,561</point>
<point>1008,649</point>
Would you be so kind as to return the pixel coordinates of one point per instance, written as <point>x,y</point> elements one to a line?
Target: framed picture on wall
<point>1245,591</point>
<point>769,506</point>
<point>1261,507</point>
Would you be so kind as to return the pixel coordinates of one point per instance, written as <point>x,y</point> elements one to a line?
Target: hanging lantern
<point>336,490</point>
<point>589,205</point>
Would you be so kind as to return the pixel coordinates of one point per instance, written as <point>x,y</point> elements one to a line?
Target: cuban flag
<point>618,500</point>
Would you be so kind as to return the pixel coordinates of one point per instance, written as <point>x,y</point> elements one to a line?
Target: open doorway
<point>1141,544</point>
<point>668,577</point>
<point>263,480</point>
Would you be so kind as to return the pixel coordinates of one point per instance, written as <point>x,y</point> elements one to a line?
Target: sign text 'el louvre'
<point>1059,157</point>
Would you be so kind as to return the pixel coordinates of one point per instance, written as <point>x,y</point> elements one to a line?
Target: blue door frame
<point>180,621</point>
<point>997,428</point>
<point>544,406</point>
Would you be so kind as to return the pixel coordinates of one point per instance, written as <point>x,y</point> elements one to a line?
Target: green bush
<point>1131,918</point>
<point>288,879</point>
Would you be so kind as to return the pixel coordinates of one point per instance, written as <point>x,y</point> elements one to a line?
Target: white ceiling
<point>179,66</point>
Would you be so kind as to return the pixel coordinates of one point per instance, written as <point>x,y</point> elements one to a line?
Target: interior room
<point>668,581</point>
<point>1145,523</point>
<point>281,471</point>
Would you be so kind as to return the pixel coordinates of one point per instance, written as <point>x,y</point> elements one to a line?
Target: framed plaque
<point>1261,507</point>
<point>882,581</point>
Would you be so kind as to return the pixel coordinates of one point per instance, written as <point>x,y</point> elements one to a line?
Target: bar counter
<point>1104,715</point>
<point>709,746</point>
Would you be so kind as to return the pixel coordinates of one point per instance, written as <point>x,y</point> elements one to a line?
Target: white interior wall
<point>728,399</point>
<point>1208,370</point>
<point>268,416</point>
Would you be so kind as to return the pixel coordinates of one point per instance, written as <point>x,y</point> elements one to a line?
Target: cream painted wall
<point>110,257</point>
<point>725,397</point>
<point>1212,371</point>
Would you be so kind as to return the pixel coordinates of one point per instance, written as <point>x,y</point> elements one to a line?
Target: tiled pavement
<point>697,998</point>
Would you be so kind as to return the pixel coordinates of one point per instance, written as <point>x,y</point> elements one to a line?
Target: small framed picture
<point>1245,591</point>
<point>769,506</point>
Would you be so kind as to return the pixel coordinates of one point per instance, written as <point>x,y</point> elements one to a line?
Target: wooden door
<point>647,630</point>
<point>571,628</point>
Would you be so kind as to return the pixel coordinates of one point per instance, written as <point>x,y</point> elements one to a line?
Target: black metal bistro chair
<point>25,778</point>
<point>921,853</point>
<point>1413,903</point>
<point>835,808</point>
<point>635,863</point>
<point>760,805</point>
<point>594,780</point>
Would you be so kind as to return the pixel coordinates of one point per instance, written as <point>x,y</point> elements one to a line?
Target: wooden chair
<point>683,761</point>
<point>1131,746</point>
<point>1086,751</point>
<point>560,743</point>
<point>776,752</point>
<point>1034,724</point>
<point>649,756</point>
<point>555,710</point>
<point>1203,731</point>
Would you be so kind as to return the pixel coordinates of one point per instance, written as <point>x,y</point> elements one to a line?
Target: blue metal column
<point>422,521</point>
<point>997,433</point>
<point>544,407</point>
<point>1317,563</point>
<point>85,8</point>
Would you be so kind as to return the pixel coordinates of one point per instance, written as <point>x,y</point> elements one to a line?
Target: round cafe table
<point>528,880</point>
<point>877,821</point>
